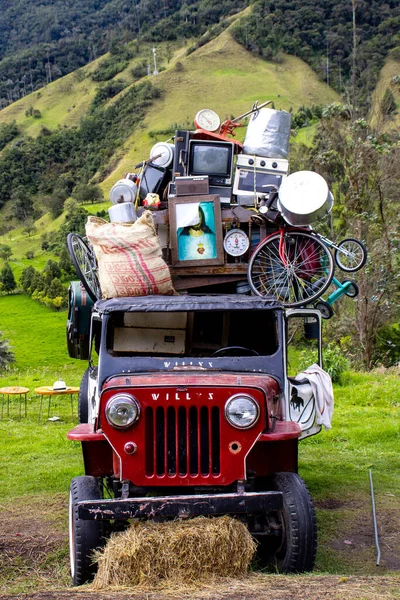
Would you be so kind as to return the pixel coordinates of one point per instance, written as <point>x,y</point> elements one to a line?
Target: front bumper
<point>180,506</point>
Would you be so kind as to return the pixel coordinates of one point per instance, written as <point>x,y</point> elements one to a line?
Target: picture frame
<point>195,225</point>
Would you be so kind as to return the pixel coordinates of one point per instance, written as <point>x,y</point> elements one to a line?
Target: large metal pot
<point>122,213</point>
<point>125,190</point>
<point>304,198</point>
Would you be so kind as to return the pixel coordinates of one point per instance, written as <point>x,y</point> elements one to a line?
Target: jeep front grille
<point>182,441</point>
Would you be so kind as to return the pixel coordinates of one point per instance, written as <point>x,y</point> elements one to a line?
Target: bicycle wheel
<point>306,275</point>
<point>352,291</point>
<point>350,255</point>
<point>85,264</point>
<point>325,309</point>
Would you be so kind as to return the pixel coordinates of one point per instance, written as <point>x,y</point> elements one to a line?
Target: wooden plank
<point>229,269</point>
<point>229,213</point>
<point>186,283</point>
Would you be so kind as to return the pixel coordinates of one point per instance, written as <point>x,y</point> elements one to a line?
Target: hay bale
<point>189,551</point>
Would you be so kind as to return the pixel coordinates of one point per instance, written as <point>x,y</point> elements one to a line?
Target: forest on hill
<point>43,40</point>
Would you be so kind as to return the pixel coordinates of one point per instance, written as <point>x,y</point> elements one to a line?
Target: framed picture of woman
<point>195,231</point>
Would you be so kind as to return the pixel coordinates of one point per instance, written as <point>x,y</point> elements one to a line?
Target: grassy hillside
<point>223,76</point>
<point>65,101</point>
<point>390,70</point>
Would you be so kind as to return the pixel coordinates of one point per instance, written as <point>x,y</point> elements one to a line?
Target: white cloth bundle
<point>321,384</point>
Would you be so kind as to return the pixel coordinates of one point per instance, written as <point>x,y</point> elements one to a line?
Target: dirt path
<point>256,587</point>
<point>34,565</point>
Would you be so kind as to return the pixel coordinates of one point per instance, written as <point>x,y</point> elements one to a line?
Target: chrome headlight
<point>242,411</point>
<point>122,411</point>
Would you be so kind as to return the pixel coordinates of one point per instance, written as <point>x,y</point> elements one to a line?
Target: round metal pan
<point>304,198</point>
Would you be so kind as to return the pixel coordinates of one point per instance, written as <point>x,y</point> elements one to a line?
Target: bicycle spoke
<point>300,272</point>
<point>85,264</point>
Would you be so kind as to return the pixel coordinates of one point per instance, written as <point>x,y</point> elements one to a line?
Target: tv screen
<point>213,159</point>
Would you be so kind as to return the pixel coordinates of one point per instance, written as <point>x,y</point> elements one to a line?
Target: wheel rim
<point>325,310</point>
<point>350,255</point>
<point>85,264</point>
<point>305,276</point>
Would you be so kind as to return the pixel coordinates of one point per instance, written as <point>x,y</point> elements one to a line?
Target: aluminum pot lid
<point>123,191</point>
<point>303,193</point>
<point>167,154</point>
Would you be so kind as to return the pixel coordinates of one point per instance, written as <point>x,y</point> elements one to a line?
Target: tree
<point>55,289</point>
<point>22,205</point>
<point>26,278</point>
<point>66,265</point>
<point>29,229</point>
<point>5,252</point>
<point>75,220</point>
<point>51,271</point>
<point>7,278</point>
<point>6,354</point>
<point>55,202</point>
<point>38,283</point>
<point>87,193</point>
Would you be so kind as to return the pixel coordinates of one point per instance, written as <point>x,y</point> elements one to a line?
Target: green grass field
<point>36,333</point>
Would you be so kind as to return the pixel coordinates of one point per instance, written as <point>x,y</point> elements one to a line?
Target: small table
<point>49,391</point>
<point>15,390</point>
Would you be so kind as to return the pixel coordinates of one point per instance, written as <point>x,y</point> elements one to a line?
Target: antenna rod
<point>254,109</point>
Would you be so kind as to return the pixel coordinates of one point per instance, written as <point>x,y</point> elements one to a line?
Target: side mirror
<point>303,339</point>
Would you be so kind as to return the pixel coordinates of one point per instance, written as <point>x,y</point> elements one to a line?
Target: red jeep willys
<point>189,412</point>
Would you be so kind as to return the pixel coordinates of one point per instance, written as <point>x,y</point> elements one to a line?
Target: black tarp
<point>198,302</point>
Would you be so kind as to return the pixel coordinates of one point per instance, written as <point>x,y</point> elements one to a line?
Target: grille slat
<point>182,441</point>
<point>193,442</point>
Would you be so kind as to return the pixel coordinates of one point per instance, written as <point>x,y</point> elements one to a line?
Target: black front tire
<point>295,549</point>
<point>84,536</point>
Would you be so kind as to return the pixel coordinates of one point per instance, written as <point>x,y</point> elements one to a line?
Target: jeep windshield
<point>192,332</point>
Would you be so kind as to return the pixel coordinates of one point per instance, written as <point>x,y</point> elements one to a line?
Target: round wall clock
<point>236,242</point>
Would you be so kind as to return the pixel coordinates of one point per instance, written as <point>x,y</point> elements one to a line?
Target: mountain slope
<point>221,75</point>
<point>65,101</point>
<point>390,71</point>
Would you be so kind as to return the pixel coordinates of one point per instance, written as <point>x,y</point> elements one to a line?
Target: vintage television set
<point>195,158</point>
<point>215,159</point>
<point>212,158</point>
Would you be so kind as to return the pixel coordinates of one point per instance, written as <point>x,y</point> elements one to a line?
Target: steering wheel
<point>236,351</point>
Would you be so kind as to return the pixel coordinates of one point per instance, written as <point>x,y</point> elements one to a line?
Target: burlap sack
<point>129,258</point>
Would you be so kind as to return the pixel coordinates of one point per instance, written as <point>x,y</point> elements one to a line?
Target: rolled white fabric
<point>321,384</point>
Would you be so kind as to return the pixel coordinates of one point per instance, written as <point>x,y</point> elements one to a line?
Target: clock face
<point>236,242</point>
<point>207,119</point>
